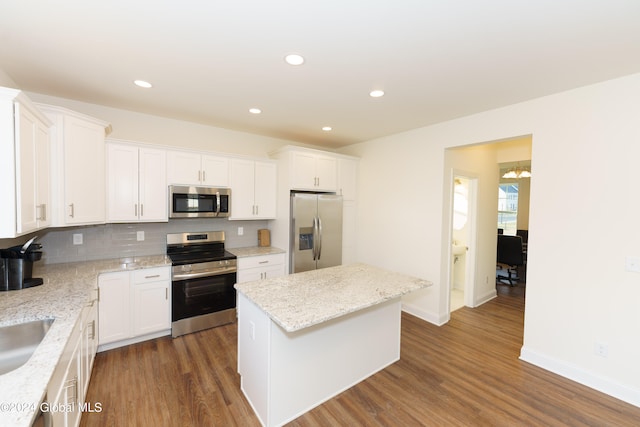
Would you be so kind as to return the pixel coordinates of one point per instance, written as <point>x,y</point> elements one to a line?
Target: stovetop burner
<point>192,258</point>
<point>191,248</point>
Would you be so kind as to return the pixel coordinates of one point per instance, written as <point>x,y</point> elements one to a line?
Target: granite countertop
<point>301,300</point>
<point>255,251</point>
<point>66,290</point>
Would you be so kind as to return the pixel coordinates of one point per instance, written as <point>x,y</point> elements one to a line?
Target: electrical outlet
<point>240,231</point>
<point>601,349</point>
<point>77,239</point>
<point>140,236</point>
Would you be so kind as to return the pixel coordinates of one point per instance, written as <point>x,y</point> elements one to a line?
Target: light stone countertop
<point>301,300</point>
<point>255,251</point>
<point>66,290</point>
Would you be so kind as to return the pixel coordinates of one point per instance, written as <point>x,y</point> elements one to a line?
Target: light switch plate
<point>632,264</point>
<point>140,236</point>
<point>77,239</point>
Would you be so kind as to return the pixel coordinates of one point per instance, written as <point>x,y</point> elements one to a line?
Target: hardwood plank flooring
<point>465,373</point>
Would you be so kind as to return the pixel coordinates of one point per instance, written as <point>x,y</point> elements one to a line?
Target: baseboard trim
<point>485,298</point>
<point>425,315</point>
<point>574,373</point>
<point>134,340</point>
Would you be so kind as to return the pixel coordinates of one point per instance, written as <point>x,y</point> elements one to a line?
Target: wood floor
<point>465,373</point>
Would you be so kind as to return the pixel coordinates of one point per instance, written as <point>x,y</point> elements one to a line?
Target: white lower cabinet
<point>67,389</point>
<point>134,306</point>
<point>151,304</point>
<point>260,267</point>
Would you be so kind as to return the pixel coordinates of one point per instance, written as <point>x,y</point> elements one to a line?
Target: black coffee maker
<point>17,266</point>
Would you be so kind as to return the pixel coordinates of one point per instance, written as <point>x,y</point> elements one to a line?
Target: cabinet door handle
<point>166,293</point>
<point>73,383</point>
<point>199,176</point>
<point>152,277</point>
<point>92,335</point>
<point>257,209</point>
<point>264,262</point>
<point>141,209</point>
<point>73,211</point>
<point>204,176</point>
<point>43,212</point>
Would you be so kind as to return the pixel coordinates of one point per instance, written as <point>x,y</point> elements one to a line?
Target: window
<point>508,207</point>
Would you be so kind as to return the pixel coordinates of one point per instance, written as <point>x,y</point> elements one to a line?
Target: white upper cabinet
<point>347,178</point>
<point>313,171</point>
<point>78,167</point>
<point>190,168</point>
<point>253,189</point>
<point>136,184</point>
<point>24,165</point>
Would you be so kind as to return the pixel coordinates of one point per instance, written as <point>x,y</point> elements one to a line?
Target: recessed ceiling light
<point>255,110</point>
<point>326,128</point>
<point>294,59</point>
<point>142,83</point>
<point>376,93</point>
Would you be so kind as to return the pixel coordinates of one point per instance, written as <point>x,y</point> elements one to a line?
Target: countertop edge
<point>251,251</point>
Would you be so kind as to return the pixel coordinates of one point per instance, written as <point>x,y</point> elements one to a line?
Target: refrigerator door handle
<point>319,237</point>
<point>314,249</point>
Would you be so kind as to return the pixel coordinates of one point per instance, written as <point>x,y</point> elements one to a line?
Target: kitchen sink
<point>18,342</point>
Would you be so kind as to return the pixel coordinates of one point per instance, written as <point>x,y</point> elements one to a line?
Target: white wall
<point>134,126</point>
<point>578,292</point>
<point>6,81</point>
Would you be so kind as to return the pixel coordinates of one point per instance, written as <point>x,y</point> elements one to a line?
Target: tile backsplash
<point>120,240</point>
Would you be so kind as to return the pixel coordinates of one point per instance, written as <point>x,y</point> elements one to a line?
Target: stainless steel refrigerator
<point>316,231</point>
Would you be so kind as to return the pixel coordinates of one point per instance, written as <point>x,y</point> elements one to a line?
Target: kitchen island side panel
<point>307,367</point>
<point>254,328</point>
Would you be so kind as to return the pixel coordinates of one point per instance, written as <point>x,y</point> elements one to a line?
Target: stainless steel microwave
<point>199,202</point>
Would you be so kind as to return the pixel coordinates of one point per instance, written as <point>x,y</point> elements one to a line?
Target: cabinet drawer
<point>148,275</point>
<point>260,261</point>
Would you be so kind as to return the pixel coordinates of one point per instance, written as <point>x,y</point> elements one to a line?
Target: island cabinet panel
<point>285,374</point>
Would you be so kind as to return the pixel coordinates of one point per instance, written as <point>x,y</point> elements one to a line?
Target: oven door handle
<point>218,272</point>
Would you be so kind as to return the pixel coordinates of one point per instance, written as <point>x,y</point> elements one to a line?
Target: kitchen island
<point>306,337</point>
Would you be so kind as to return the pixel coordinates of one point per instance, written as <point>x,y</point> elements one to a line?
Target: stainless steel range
<point>203,274</point>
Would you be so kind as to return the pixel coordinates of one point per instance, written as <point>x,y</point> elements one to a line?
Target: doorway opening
<point>463,231</point>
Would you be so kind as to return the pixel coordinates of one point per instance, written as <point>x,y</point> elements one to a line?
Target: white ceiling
<point>210,61</point>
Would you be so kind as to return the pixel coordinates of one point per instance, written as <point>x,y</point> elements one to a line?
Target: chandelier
<point>517,173</point>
